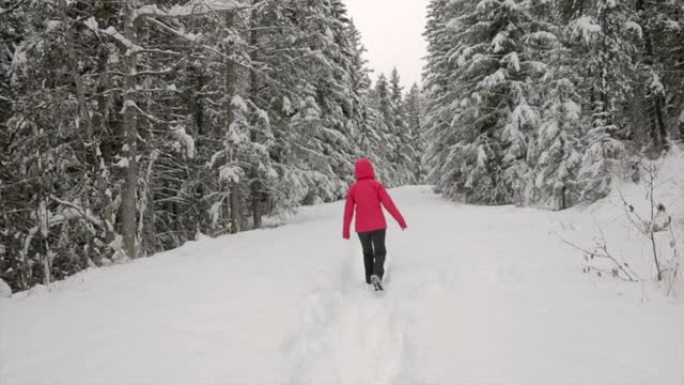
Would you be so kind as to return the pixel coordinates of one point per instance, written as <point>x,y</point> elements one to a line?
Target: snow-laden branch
<point>132,104</point>
<point>193,40</point>
<point>48,220</point>
<point>92,24</point>
<point>4,11</point>
<point>193,8</point>
<point>111,31</point>
<point>84,213</point>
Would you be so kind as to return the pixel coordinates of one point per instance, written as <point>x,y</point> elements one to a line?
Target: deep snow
<point>475,295</point>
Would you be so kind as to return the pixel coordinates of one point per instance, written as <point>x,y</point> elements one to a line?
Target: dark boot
<point>377,282</point>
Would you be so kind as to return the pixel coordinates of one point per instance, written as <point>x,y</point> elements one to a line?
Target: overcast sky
<point>393,35</point>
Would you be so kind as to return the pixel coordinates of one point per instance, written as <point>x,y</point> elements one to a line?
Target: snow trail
<point>474,295</point>
<point>350,334</point>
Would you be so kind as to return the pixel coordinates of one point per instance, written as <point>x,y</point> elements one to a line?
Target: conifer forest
<point>129,127</point>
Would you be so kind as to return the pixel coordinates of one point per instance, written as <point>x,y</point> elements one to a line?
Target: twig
<point>623,267</point>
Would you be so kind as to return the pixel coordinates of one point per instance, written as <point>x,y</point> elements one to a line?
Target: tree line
<point>536,102</point>
<point>129,127</point>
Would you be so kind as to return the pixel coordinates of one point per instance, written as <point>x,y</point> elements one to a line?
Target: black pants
<point>374,252</point>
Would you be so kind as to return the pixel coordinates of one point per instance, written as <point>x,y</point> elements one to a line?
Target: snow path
<point>475,295</point>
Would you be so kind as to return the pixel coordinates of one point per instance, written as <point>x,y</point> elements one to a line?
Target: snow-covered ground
<point>475,295</point>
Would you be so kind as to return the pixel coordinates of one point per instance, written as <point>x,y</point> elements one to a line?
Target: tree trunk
<point>103,144</point>
<point>83,112</point>
<point>235,209</point>
<point>92,158</point>
<point>655,111</point>
<point>231,79</point>
<point>659,123</point>
<point>130,131</point>
<point>256,185</point>
<point>198,106</point>
<point>256,201</point>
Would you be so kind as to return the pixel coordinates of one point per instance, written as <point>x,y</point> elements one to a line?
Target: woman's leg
<point>367,245</point>
<point>379,251</point>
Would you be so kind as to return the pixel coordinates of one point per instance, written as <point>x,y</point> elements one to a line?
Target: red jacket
<point>366,195</point>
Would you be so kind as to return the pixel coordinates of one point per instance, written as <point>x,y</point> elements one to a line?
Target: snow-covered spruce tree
<point>322,118</point>
<point>406,150</point>
<point>188,194</point>
<point>275,67</point>
<point>167,192</point>
<point>52,166</point>
<point>603,39</point>
<point>13,25</point>
<point>492,100</point>
<point>659,90</point>
<point>439,91</point>
<point>371,132</point>
<point>388,141</point>
<point>497,132</point>
<point>628,51</point>
<point>12,29</point>
<point>71,152</point>
<point>599,159</point>
<point>253,151</point>
<point>359,75</point>
<point>557,152</point>
<point>414,115</point>
<point>667,34</point>
<point>315,81</point>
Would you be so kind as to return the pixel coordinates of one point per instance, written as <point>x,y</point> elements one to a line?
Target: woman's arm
<point>389,205</point>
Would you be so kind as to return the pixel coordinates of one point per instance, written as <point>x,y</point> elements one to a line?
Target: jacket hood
<point>363,169</point>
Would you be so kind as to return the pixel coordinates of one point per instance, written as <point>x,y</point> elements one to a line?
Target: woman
<point>367,195</point>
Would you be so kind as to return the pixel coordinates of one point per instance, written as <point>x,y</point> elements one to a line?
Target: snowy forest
<point>128,128</point>
<point>221,192</point>
<point>537,103</point>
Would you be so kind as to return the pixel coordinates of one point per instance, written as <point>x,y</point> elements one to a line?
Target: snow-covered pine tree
<point>359,75</point>
<point>323,114</point>
<point>384,100</point>
<point>557,153</point>
<point>78,134</point>
<point>492,101</point>
<point>406,149</point>
<point>193,195</point>
<point>370,126</point>
<point>439,91</point>
<point>497,131</point>
<point>659,94</point>
<point>13,28</point>
<point>602,35</point>
<point>50,167</point>
<point>389,141</point>
<point>414,115</point>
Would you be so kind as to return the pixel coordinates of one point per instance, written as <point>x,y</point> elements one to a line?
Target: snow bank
<point>623,215</point>
<point>5,290</point>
